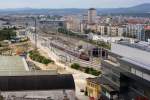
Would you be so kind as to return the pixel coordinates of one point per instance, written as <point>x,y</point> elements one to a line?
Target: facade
<point>93,88</point>
<point>37,86</point>
<point>92,14</point>
<point>58,23</point>
<point>73,23</point>
<point>128,78</point>
<point>134,30</point>
<point>92,27</point>
<point>121,31</point>
<point>112,30</point>
<point>102,29</point>
<point>146,34</point>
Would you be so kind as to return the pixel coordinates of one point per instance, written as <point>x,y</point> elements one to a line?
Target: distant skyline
<point>69,3</point>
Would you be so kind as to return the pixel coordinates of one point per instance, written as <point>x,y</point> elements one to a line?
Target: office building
<point>92,14</point>
<point>126,73</point>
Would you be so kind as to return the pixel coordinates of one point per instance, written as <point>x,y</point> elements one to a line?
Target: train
<point>81,55</point>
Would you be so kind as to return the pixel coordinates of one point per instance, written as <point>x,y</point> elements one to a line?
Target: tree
<point>7,34</point>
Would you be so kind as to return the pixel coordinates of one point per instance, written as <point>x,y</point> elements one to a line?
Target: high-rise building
<point>92,14</point>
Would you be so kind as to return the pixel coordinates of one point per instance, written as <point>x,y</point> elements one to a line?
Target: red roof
<point>147,27</point>
<point>135,21</point>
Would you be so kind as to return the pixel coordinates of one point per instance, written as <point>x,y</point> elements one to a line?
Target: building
<point>73,23</point>
<point>13,63</point>
<point>37,86</point>
<point>102,29</point>
<point>134,30</point>
<point>18,82</point>
<point>126,73</point>
<point>112,30</point>
<point>93,88</point>
<point>51,25</point>
<point>121,30</point>
<point>92,14</point>
<point>146,34</point>
<point>92,27</point>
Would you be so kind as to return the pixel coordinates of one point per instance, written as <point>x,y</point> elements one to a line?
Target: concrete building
<point>121,30</point>
<point>112,30</point>
<point>102,29</point>
<point>73,23</point>
<point>125,73</point>
<point>93,88</point>
<point>145,36</point>
<point>134,30</point>
<point>92,27</point>
<point>92,14</point>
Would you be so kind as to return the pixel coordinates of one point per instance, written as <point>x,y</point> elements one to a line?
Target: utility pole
<point>35,23</point>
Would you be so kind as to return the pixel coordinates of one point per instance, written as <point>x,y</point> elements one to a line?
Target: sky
<point>69,3</point>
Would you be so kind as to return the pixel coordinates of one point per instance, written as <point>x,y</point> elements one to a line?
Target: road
<point>79,77</point>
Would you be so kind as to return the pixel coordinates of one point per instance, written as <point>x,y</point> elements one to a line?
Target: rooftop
<point>136,56</point>
<point>139,45</point>
<point>92,9</point>
<point>37,82</point>
<point>13,63</point>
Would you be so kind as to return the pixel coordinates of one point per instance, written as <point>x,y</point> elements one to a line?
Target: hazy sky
<point>69,3</point>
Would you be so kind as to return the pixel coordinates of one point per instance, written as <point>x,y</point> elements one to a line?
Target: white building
<point>121,31</point>
<point>134,30</point>
<point>73,23</point>
<point>112,30</point>
<point>102,29</point>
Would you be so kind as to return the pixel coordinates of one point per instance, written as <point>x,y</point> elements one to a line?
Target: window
<point>139,73</point>
<point>133,70</point>
<point>146,76</point>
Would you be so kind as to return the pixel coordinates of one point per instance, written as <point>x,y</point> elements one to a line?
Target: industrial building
<point>18,82</point>
<point>126,72</point>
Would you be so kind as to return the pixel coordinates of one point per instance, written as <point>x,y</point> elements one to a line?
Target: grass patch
<point>35,55</point>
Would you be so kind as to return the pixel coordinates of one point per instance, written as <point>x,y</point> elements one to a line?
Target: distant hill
<point>139,9</point>
<point>143,8</point>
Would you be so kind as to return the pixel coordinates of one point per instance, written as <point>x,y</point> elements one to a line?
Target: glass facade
<point>131,81</point>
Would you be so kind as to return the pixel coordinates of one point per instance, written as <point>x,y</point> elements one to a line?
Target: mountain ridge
<point>142,8</point>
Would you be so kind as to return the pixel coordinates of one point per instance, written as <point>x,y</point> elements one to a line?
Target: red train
<point>82,56</point>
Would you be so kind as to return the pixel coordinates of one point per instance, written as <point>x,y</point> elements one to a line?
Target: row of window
<point>140,74</point>
<point>92,85</point>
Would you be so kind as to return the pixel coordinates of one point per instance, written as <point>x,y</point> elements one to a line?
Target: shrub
<point>92,71</point>
<point>35,55</point>
<point>75,66</point>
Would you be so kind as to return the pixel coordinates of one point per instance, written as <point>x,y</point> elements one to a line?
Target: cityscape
<point>75,50</point>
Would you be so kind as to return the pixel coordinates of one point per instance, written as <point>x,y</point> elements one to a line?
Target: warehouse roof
<point>13,63</point>
<point>136,56</point>
<point>36,82</point>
